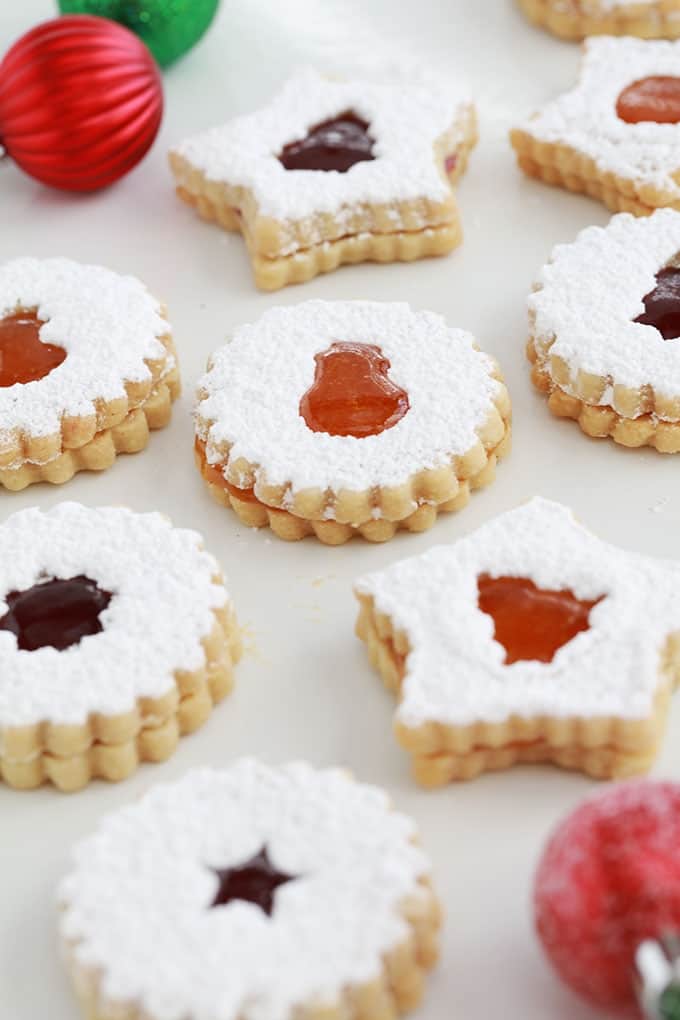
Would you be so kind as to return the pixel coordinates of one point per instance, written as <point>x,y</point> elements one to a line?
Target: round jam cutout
<point>56,613</point>
<point>655,100</point>
<point>23,358</point>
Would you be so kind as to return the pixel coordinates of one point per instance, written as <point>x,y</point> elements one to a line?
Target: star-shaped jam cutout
<point>254,881</point>
<point>620,123</point>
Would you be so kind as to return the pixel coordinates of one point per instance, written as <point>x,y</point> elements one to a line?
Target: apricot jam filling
<point>212,474</point>
<point>352,394</point>
<point>334,144</point>
<point>655,99</point>
<point>23,358</point>
<point>532,623</point>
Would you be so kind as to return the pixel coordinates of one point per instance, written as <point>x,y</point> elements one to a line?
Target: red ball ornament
<point>608,882</point>
<point>81,102</point>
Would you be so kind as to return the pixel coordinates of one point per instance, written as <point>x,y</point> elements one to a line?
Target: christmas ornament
<point>607,900</point>
<point>81,102</point>
<point>168,27</point>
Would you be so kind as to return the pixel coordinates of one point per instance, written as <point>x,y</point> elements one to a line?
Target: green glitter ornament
<point>168,27</point>
<point>669,1007</point>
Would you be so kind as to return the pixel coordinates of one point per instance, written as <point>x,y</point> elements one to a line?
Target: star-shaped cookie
<point>529,640</point>
<point>333,172</point>
<point>574,19</point>
<point>616,135</point>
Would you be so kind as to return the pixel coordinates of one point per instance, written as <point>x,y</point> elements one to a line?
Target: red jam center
<point>23,358</point>
<point>256,882</point>
<point>532,623</point>
<point>655,99</point>
<point>352,394</point>
<point>57,613</point>
<point>335,144</point>
<point>662,305</point>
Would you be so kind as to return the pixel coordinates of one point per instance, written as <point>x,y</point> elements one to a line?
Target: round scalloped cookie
<point>251,893</point>
<point>88,367</point>
<point>575,19</point>
<point>116,635</point>
<point>282,435</point>
<point>596,351</point>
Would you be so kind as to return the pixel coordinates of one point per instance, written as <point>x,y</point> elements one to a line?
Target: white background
<point>304,688</point>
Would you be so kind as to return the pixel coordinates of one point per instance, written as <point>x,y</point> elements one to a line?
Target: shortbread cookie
<point>116,636</point>
<point>87,367</point>
<point>251,893</point>
<point>616,135</point>
<point>338,418</point>
<point>605,331</point>
<point>575,19</point>
<point>528,641</point>
<point>333,172</point>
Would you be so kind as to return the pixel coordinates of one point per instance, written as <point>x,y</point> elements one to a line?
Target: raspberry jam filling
<point>335,144</point>
<point>655,99</point>
<point>23,358</point>
<point>256,882</point>
<point>532,623</point>
<point>56,613</point>
<point>352,394</point>
<point>662,305</point>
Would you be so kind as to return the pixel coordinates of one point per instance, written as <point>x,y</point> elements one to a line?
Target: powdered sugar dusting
<point>585,118</point>
<point>590,293</point>
<point>251,395</point>
<point>162,606</point>
<point>406,119</point>
<point>107,323</point>
<point>137,904</point>
<point>455,672</point>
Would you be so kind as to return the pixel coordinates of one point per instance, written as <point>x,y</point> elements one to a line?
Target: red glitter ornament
<point>608,882</point>
<point>81,102</point>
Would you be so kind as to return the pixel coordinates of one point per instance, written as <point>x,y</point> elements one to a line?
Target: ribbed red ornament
<point>81,102</point>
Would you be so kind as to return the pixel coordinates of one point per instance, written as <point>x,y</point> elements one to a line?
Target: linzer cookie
<point>616,135</point>
<point>344,418</point>
<point>116,636</point>
<point>87,367</point>
<point>333,172</point>
<point>529,640</point>
<point>605,331</point>
<point>574,19</point>
<point>251,892</point>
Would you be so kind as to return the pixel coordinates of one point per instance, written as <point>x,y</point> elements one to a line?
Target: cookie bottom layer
<point>112,747</point>
<point>292,528</point>
<point>660,20</point>
<point>128,436</point>
<point>564,167</point>
<point>398,988</point>
<point>301,266</point>
<point>600,421</point>
<point>603,747</point>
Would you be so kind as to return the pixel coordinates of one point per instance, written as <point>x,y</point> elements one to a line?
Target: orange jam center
<point>655,99</point>
<point>352,394</point>
<point>23,358</point>
<point>530,622</point>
